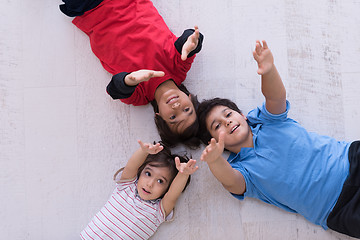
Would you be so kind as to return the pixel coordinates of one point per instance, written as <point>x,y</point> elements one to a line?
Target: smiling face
<point>234,124</point>
<point>153,182</point>
<point>177,110</point>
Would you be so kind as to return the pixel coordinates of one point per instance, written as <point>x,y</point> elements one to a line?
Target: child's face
<point>237,131</point>
<point>153,182</point>
<point>177,110</point>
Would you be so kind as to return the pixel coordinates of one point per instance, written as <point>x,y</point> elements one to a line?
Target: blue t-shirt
<point>289,167</point>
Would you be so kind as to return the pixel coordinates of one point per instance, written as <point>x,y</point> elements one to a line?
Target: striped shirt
<point>125,216</point>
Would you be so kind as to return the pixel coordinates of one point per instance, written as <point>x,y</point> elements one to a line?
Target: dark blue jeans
<point>345,217</point>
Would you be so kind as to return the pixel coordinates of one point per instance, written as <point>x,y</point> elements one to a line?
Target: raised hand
<point>150,148</point>
<point>214,150</point>
<point>263,57</point>
<point>190,44</point>
<point>143,75</point>
<point>186,168</point>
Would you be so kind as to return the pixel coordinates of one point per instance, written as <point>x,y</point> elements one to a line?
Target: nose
<point>150,183</point>
<point>175,105</point>
<point>228,122</point>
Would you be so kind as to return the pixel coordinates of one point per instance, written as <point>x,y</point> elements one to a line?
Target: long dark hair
<point>188,137</point>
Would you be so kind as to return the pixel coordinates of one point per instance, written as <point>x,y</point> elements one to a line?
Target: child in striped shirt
<point>145,195</point>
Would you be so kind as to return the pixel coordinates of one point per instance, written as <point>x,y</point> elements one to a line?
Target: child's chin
<point>143,197</point>
<point>146,197</point>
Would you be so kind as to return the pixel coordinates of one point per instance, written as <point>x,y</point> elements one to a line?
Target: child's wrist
<point>216,160</point>
<point>183,174</point>
<point>130,82</point>
<point>126,80</point>
<point>271,69</point>
<point>144,151</point>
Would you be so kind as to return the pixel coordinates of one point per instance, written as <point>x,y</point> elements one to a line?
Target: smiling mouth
<point>172,99</point>
<point>145,191</point>
<point>234,128</point>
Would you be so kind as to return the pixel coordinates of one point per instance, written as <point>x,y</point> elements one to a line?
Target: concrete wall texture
<point>62,137</point>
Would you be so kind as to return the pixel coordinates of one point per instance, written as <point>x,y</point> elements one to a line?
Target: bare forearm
<point>177,186</point>
<point>133,164</point>
<point>175,190</point>
<point>231,179</point>
<point>274,91</point>
<point>272,86</point>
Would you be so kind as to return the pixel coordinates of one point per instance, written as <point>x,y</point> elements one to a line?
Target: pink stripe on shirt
<point>144,215</point>
<point>127,226</point>
<point>128,219</point>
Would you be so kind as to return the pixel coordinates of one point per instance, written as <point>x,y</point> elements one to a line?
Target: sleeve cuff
<point>179,43</point>
<point>117,87</point>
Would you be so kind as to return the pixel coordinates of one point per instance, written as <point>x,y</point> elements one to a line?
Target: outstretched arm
<point>142,75</point>
<point>178,184</point>
<point>272,86</point>
<point>231,179</point>
<point>138,158</point>
<point>123,85</point>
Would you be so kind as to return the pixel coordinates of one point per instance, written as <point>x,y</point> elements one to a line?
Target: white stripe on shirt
<point>125,216</point>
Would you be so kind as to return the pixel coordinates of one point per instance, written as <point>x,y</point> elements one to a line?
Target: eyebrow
<point>189,114</point>
<point>150,168</point>
<point>226,108</point>
<point>177,123</point>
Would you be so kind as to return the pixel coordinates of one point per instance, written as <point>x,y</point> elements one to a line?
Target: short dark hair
<point>164,158</point>
<point>188,137</point>
<point>203,111</point>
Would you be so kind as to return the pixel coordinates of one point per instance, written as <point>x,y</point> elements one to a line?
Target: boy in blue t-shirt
<point>276,160</point>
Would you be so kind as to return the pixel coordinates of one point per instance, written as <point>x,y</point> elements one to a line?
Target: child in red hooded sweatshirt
<point>148,62</point>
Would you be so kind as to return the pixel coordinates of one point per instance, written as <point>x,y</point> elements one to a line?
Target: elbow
<point>234,189</point>
<point>228,188</point>
<point>283,94</point>
<point>237,185</point>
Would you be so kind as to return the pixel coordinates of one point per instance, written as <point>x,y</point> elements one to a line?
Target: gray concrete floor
<point>62,137</point>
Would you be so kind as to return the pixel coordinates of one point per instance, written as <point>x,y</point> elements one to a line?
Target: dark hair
<point>164,158</point>
<point>171,139</point>
<point>203,111</point>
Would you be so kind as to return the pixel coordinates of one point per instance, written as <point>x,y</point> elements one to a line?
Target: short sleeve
<point>262,115</point>
<point>122,184</point>
<point>161,212</point>
<point>237,165</point>
<point>240,197</point>
<point>243,172</point>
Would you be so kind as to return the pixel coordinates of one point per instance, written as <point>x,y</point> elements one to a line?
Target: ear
<point>190,96</point>
<point>243,116</point>
<point>158,114</point>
